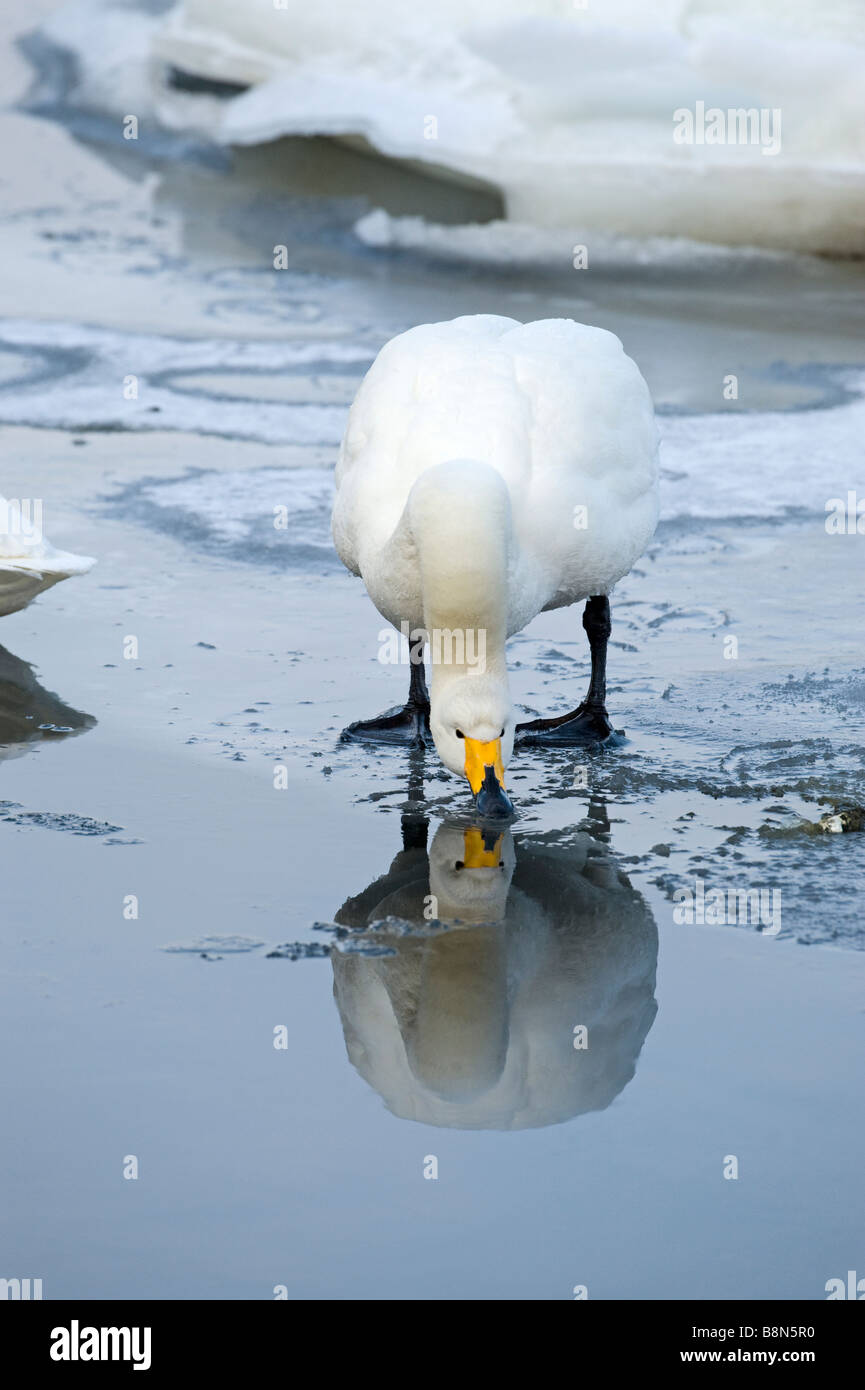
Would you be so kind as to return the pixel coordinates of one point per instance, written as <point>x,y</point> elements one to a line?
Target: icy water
<point>219,958</point>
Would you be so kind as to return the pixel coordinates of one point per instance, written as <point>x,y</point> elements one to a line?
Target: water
<point>195,865</point>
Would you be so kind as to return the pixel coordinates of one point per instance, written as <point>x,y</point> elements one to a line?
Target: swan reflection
<point>29,712</point>
<point>495,954</point>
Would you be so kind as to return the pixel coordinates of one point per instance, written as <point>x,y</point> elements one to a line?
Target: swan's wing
<point>431,395</point>
<point>590,409</point>
<point>555,406</point>
<point>414,405</point>
<point>590,503</point>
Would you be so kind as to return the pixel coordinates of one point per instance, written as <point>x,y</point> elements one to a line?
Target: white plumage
<point>29,563</point>
<point>491,470</point>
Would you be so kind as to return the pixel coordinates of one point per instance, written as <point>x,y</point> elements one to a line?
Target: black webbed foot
<point>407,726</point>
<point>589,723</point>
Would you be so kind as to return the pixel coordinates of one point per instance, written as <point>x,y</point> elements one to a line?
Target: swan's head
<point>472,722</point>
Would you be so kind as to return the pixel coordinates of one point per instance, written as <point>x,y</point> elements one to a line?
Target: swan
<point>29,563</point>
<point>491,470</point>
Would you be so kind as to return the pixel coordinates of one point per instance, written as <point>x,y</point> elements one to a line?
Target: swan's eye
<point>459,733</point>
<point>502,734</point>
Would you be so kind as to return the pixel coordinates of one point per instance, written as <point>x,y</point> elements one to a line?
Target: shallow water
<point>153,778</point>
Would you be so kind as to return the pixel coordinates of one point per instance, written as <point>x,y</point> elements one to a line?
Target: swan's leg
<point>407,725</point>
<point>588,723</point>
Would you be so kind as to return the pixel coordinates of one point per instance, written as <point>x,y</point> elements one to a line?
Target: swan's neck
<point>459,515</point>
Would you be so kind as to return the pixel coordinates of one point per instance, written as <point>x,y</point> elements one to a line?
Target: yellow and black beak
<point>486,776</point>
<point>483,849</point>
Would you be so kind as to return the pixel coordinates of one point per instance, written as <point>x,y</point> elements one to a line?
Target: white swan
<point>491,470</point>
<point>28,562</point>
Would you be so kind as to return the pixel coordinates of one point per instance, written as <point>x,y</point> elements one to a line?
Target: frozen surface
<point>567,109</point>
<point>195,860</point>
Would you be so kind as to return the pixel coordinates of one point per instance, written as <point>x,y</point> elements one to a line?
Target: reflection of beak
<point>481,851</point>
<point>487,777</point>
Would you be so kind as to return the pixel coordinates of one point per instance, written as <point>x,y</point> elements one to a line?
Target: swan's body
<point>491,470</point>
<point>30,564</point>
